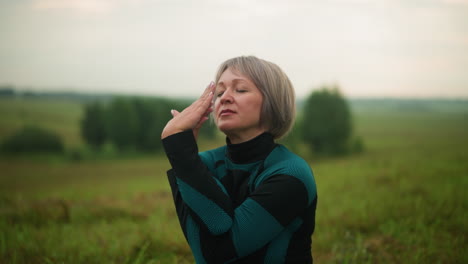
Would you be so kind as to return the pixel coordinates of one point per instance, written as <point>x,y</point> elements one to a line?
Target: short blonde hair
<point>279,102</point>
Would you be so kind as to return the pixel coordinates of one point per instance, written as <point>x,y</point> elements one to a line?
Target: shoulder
<point>287,162</point>
<point>210,157</point>
<point>282,161</point>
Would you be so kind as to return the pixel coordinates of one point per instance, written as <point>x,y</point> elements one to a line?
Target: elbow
<point>220,226</point>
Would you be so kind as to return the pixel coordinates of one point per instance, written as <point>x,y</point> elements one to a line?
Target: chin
<point>226,128</point>
<point>225,125</point>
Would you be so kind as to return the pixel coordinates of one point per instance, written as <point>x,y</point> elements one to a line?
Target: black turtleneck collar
<point>250,151</point>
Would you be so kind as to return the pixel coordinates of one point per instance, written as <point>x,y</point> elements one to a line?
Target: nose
<point>226,97</point>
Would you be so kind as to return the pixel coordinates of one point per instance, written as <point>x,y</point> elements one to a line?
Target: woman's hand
<point>191,117</point>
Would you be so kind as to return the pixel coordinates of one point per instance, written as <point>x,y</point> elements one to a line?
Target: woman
<point>252,200</point>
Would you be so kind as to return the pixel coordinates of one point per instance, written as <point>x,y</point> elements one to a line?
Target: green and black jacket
<point>252,202</point>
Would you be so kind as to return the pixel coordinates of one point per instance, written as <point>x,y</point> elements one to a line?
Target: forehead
<point>231,75</point>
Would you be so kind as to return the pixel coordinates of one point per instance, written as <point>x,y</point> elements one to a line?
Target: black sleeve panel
<point>181,208</point>
<point>182,152</point>
<point>283,196</point>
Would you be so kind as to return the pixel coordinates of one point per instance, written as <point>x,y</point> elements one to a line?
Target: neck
<point>237,138</point>
<point>251,151</point>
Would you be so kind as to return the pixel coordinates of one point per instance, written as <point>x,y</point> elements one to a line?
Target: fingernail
<point>172,111</point>
<point>211,84</point>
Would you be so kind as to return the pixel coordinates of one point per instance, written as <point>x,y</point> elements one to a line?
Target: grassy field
<point>403,200</point>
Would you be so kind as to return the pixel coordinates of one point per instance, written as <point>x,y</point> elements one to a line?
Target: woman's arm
<point>199,190</point>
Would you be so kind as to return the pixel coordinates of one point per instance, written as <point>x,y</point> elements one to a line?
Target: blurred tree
<point>132,123</point>
<point>7,90</point>
<point>153,115</point>
<point>122,123</point>
<point>93,128</point>
<point>33,139</point>
<point>145,111</point>
<point>327,122</point>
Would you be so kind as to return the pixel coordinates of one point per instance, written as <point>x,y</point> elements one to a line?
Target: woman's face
<point>237,107</point>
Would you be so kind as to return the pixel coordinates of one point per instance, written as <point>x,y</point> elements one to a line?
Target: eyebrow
<point>235,81</point>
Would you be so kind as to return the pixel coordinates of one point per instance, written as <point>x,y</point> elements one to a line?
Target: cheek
<point>256,106</point>
<point>216,106</point>
<point>214,114</point>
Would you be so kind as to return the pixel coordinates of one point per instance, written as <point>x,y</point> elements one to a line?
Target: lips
<point>226,112</point>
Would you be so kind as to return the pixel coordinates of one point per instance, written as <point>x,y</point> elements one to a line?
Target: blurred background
<point>86,87</point>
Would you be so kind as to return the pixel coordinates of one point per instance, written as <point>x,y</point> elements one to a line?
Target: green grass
<point>403,200</point>
<point>61,116</point>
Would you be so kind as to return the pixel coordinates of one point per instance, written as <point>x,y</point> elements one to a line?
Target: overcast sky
<point>370,48</point>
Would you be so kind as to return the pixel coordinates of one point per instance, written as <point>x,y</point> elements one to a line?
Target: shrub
<point>33,139</point>
<point>327,122</point>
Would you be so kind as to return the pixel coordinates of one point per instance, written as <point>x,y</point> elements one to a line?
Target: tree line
<point>324,125</point>
<point>131,123</point>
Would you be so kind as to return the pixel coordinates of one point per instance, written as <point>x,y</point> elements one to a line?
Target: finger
<point>211,90</point>
<point>208,100</point>
<point>174,113</point>
<point>212,87</point>
<point>207,90</point>
<point>208,111</point>
<point>203,104</point>
<point>201,122</point>
<point>205,94</point>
